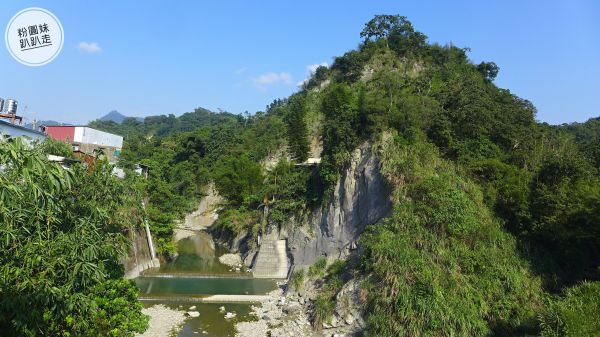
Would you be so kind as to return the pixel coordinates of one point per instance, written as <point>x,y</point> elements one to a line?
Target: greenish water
<point>203,286</point>
<point>211,320</point>
<point>196,272</point>
<point>197,254</point>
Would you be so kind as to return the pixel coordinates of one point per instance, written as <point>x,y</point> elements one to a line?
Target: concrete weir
<point>272,261</point>
<point>209,299</point>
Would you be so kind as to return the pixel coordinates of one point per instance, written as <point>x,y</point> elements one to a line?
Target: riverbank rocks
<point>273,320</point>
<point>249,259</point>
<point>231,260</point>
<point>230,315</point>
<point>291,308</point>
<point>193,314</point>
<point>163,321</point>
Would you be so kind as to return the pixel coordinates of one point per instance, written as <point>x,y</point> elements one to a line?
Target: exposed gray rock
<point>232,260</point>
<point>348,305</point>
<point>361,197</point>
<point>249,259</point>
<point>291,308</point>
<point>238,242</point>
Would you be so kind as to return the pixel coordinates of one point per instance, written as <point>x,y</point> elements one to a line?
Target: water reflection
<point>197,254</point>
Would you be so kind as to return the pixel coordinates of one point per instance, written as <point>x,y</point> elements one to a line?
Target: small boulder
<point>222,309</point>
<point>193,314</point>
<point>231,260</point>
<point>291,308</point>
<point>230,315</point>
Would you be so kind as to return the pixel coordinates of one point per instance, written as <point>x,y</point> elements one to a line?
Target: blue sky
<point>158,57</point>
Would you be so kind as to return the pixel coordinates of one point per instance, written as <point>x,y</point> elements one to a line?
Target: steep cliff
<point>139,257</point>
<point>361,197</point>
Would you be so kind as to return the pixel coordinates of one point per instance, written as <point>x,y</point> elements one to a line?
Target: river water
<point>197,272</point>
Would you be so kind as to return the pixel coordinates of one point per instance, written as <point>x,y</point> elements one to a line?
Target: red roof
<point>61,132</point>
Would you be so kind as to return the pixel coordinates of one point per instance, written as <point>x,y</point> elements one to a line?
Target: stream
<point>197,272</point>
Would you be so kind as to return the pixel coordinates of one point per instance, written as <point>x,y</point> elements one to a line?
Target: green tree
<point>61,244</point>
<point>340,130</point>
<point>238,178</point>
<point>489,70</point>
<point>296,127</point>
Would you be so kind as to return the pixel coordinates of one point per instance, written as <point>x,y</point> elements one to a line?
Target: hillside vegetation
<point>61,246</point>
<point>496,222</point>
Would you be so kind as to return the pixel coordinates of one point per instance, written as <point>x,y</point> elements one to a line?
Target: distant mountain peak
<point>117,117</point>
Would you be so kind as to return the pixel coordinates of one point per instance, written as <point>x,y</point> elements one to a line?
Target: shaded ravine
<point>195,276</point>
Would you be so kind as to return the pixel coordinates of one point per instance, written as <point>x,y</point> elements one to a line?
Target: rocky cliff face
<point>361,197</point>
<point>138,258</point>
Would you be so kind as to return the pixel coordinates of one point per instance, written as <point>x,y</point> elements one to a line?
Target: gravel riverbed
<point>280,318</point>
<point>164,321</point>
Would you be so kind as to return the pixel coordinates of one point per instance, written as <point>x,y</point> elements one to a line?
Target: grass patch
<point>297,280</point>
<point>317,270</point>
<point>324,306</point>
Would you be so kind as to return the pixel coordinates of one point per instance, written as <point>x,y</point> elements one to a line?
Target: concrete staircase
<point>272,261</point>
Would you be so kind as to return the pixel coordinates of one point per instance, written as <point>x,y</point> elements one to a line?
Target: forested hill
<point>496,221</point>
<point>162,125</point>
<point>587,135</point>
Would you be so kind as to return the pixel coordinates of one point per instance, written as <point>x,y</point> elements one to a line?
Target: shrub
<point>297,280</point>
<point>576,314</point>
<point>336,268</point>
<point>318,268</point>
<point>324,306</point>
<point>441,264</point>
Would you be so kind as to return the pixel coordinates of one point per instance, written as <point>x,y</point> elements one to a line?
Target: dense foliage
<point>223,148</point>
<point>61,244</point>
<point>441,265</point>
<point>496,224</point>
<point>574,314</point>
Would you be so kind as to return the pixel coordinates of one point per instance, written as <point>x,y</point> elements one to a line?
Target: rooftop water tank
<point>11,107</point>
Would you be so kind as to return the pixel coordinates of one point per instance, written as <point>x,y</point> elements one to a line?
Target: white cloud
<point>311,69</point>
<point>89,47</point>
<point>261,82</point>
